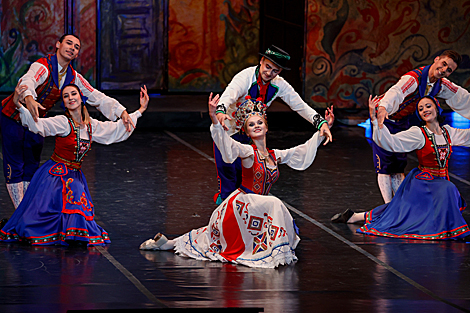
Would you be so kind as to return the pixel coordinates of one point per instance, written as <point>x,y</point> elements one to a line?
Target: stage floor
<point>163,181</point>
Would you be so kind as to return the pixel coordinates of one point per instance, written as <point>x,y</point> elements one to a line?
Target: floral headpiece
<point>247,109</point>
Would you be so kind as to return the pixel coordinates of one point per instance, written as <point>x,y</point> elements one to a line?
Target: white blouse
<point>298,158</point>
<point>413,139</point>
<point>102,132</point>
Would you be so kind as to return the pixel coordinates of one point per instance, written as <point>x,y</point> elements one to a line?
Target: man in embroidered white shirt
<point>262,81</point>
<point>397,107</point>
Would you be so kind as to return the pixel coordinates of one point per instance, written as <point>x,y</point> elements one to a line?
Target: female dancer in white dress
<point>427,205</point>
<point>249,227</point>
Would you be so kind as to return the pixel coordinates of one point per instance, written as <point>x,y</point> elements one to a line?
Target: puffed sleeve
<point>456,97</point>
<point>398,92</point>
<point>110,132</point>
<point>35,76</point>
<point>110,107</point>
<point>459,137</point>
<point>229,148</point>
<point>404,141</point>
<point>302,156</point>
<point>49,126</point>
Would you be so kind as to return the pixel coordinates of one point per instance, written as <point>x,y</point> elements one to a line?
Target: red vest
<point>259,178</point>
<point>48,94</point>
<point>429,156</point>
<point>70,149</point>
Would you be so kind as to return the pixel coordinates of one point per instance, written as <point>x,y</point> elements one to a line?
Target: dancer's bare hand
<point>19,89</point>
<point>325,131</point>
<point>126,119</point>
<point>144,99</point>
<point>33,107</point>
<point>329,116</point>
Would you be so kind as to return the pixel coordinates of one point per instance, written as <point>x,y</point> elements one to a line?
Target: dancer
<point>262,81</point>
<point>44,80</point>
<point>427,205</point>
<point>249,227</point>
<point>396,110</point>
<point>57,207</point>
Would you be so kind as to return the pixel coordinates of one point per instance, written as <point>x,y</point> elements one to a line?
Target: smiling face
<point>268,70</point>
<point>71,98</point>
<point>256,127</point>
<point>442,67</point>
<point>68,49</point>
<point>427,110</point>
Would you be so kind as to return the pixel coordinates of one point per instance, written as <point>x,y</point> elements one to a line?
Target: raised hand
<point>373,111</point>
<point>144,99</point>
<point>329,116</point>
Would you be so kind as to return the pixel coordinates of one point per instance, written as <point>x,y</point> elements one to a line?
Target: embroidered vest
<point>432,158</point>
<point>408,106</point>
<point>71,149</point>
<point>48,94</point>
<point>266,92</point>
<point>259,178</point>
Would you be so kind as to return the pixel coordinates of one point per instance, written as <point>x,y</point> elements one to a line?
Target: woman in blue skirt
<point>427,205</point>
<point>57,207</point>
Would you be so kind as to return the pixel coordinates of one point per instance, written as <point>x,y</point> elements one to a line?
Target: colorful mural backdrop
<point>209,41</point>
<point>362,47</point>
<point>30,29</point>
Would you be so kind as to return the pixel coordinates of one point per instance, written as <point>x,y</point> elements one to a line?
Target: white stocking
<point>25,186</point>
<point>16,193</point>
<point>357,217</point>
<point>385,185</point>
<point>168,245</point>
<point>397,179</point>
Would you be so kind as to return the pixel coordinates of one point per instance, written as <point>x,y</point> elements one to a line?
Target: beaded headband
<point>247,109</point>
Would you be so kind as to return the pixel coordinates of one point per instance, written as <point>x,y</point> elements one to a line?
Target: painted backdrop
<point>30,29</point>
<point>361,47</point>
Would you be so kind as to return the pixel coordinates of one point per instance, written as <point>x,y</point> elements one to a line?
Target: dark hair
<point>65,35</point>
<point>440,118</point>
<point>85,114</point>
<point>451,54</point>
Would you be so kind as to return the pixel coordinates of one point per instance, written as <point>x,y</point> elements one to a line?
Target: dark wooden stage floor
<point>163,181</point>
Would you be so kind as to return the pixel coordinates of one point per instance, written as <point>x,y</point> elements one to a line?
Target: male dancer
<point>44,79</point>
<point>262,81</point>
<point>397,107</point>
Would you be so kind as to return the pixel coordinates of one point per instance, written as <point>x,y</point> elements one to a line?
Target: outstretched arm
<point>111,132</point>
<point>229,148</point>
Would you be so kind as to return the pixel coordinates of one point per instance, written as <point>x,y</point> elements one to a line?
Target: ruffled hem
<point>285,255</point>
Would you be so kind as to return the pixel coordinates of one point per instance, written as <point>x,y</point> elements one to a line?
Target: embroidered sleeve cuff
<point>221,109</point>
<point>318,121</point>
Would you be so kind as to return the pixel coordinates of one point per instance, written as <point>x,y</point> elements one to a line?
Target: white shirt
<point>38,73</point>
<point>102,132</point>
<point>413,138</point>
<point>456,97</point>
<point>298,158</point>
<point>238,88</point>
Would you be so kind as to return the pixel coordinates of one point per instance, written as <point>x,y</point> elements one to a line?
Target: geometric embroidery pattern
<point>260,243</point>
<point>255,223</point>
<point>424,176</point>
<point>273,232</point>
<point>58,170</point>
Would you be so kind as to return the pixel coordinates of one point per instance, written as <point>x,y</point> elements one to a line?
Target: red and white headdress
<point>247,109</point>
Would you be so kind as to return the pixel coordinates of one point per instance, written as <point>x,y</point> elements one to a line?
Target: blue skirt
<point>424,207</point>
<point>56,209</point>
